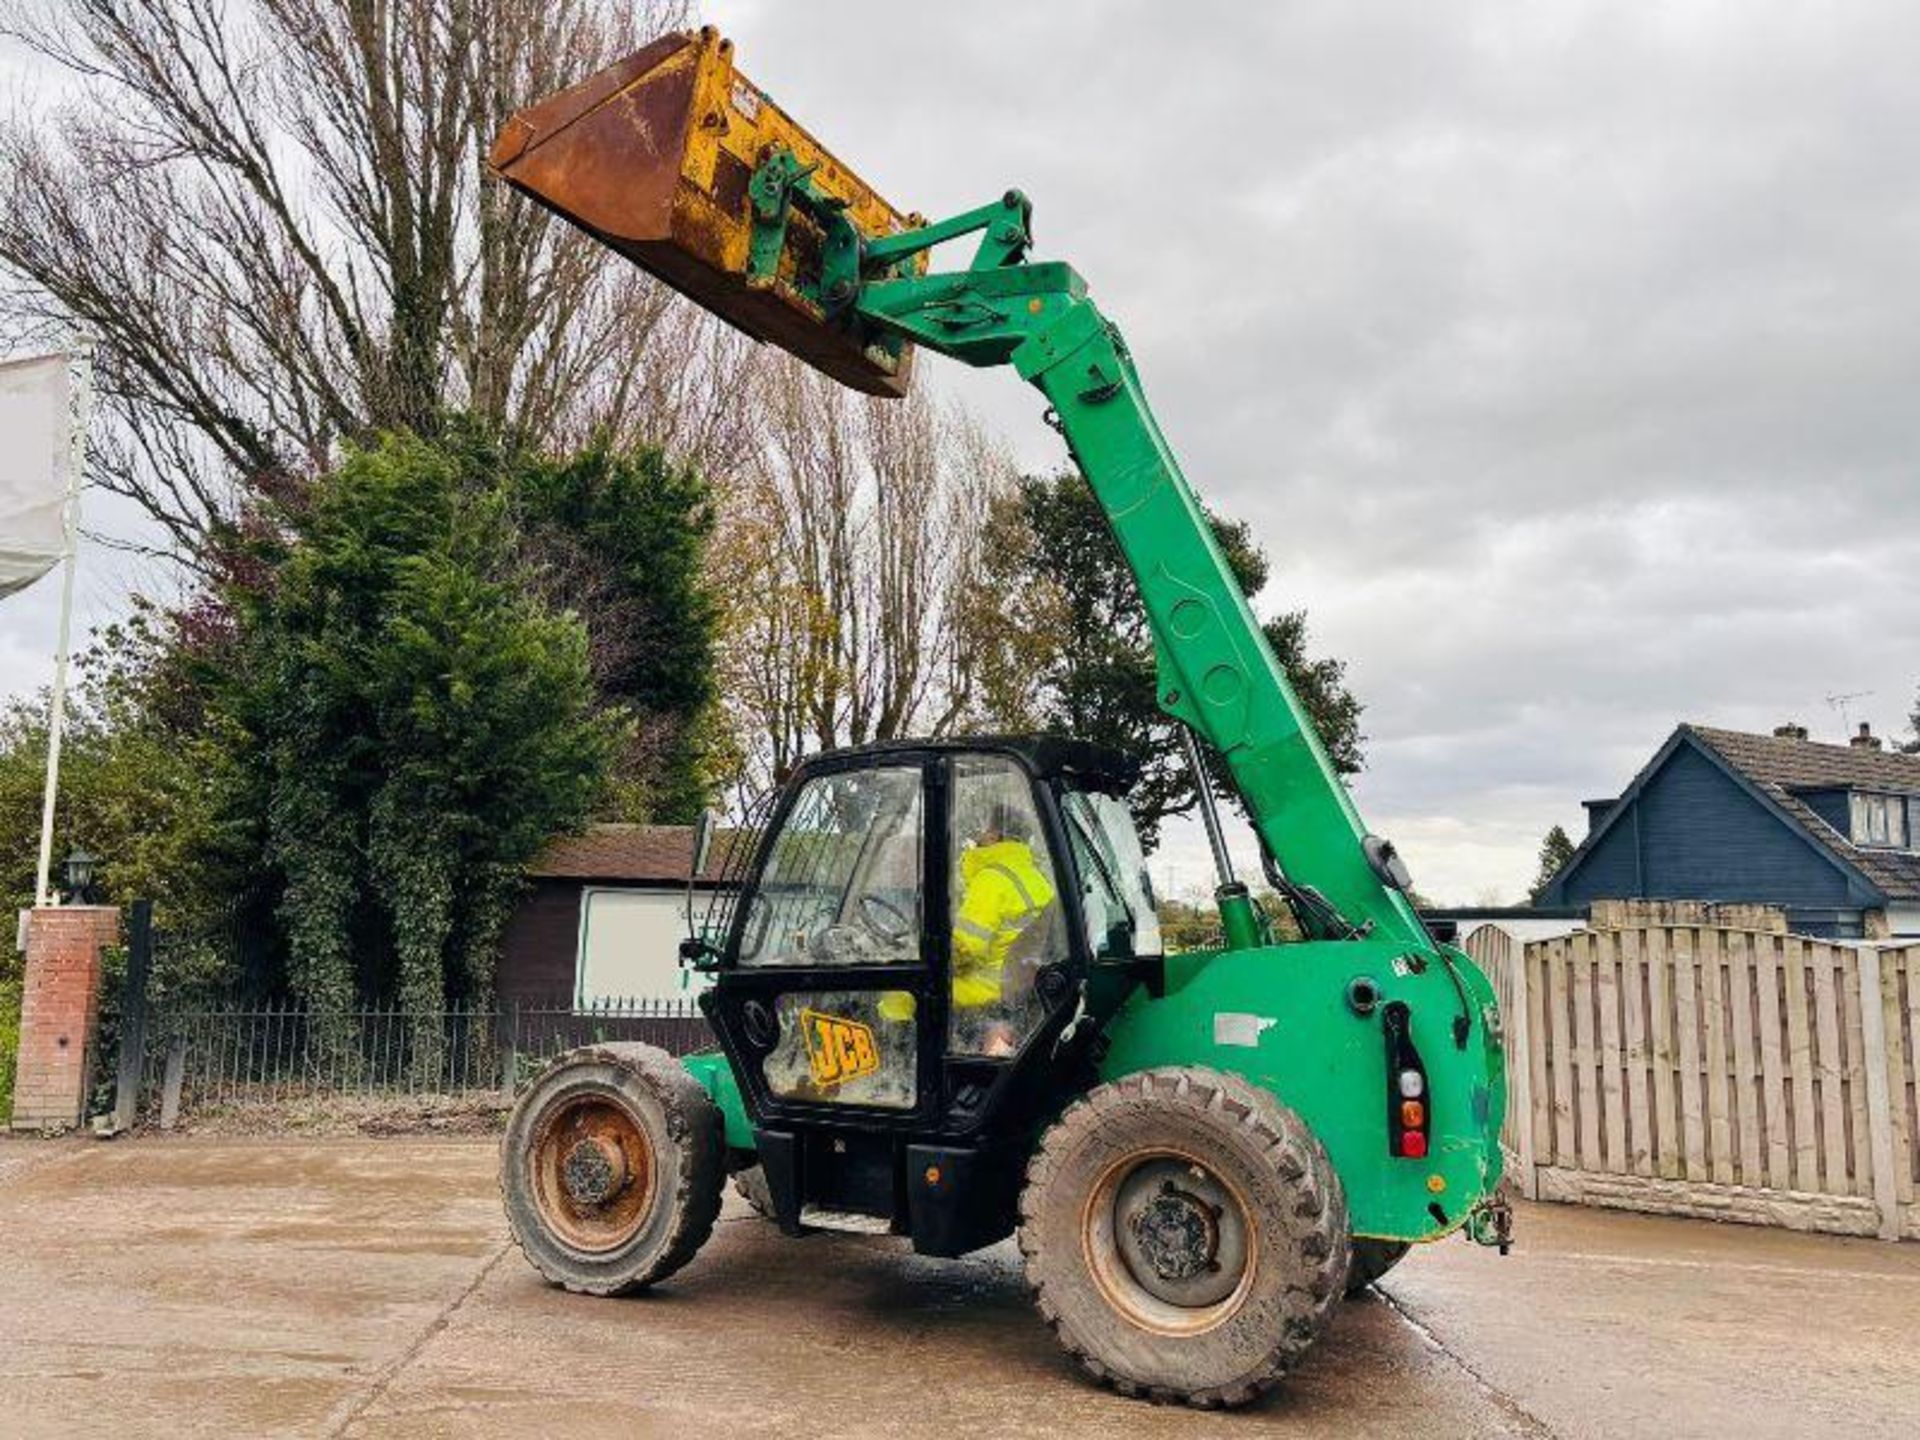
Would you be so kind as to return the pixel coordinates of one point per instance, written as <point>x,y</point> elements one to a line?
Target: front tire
<point>611,1169</point>
<point>1185,1236</point>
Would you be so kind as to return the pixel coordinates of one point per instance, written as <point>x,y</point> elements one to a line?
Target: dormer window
<point>1880,821</point>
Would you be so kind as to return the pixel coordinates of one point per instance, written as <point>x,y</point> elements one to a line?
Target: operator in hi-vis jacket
<point>1005,894</point>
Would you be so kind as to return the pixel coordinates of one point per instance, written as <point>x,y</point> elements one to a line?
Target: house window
<point>1880,820</point>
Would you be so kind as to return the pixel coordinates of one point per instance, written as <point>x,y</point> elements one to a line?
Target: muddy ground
<point>365,1287</point>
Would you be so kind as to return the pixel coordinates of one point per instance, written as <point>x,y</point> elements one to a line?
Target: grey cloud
<point>1562,356</point>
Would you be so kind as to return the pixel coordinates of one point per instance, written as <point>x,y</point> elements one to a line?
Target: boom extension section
<point>1217,673</point>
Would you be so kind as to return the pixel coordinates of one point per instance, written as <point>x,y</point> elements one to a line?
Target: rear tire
<point>611,1169</point>
<point>1185,1236</point>
<point>1371,1260</point>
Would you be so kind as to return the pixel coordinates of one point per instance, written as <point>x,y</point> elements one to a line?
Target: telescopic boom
<point>680,163</point>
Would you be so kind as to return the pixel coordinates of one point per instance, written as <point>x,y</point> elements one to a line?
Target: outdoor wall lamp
<point>79,867</point>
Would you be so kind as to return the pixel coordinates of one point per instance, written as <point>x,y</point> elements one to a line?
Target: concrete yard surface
<point>367,1287</point>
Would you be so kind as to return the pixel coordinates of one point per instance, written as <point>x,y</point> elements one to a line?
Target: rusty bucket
<point>653,155</point>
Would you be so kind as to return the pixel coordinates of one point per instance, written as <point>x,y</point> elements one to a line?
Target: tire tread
<point>1283,1143</point>
<point>695,1125</point>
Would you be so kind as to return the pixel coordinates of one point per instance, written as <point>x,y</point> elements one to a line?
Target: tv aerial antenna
<point>1840,703</point>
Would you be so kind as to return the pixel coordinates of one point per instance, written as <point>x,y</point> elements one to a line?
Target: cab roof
<point>1052,757</point>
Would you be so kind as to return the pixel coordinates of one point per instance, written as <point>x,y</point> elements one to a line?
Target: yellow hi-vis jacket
<point>1003,894</point>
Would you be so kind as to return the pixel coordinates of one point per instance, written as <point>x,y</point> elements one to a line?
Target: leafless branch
<point>855,552</point>
<point>275,218</point>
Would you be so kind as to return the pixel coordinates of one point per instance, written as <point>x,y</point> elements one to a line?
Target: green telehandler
<point>942,1005</point>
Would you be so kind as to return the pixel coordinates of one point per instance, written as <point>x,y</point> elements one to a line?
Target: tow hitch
<point>1491,1221</point>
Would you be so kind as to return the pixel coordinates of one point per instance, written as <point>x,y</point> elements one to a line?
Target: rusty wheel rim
<point>1185,1288</point>
<point>593,1171</point>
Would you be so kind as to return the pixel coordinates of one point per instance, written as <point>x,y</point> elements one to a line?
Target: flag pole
<point>76,469</point>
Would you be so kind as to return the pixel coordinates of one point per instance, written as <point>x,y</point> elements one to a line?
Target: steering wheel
<point>875,913</point>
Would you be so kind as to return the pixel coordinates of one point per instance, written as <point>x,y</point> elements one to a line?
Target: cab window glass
<point>1117,896</point>
<point>841,884</point>
<point>1007,910</point>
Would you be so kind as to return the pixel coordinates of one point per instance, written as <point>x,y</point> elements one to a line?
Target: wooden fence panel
<point>1746,1055</point>
<point>1613,1103</point>
<point>1907,1121</point>
<point>1902,981</point>
<point>1713,988</point>
<point>1853,1072</point>
<point>1633,1002</point>
<point>1586,1052</point>
<point>1834,1179</point>
<point>1533,969</point>
<point>1877,1059</point>
<point>1565,1149</point>
<point>1686,1022</point>
<point>1806,1128</point>
<point>1700,1070</point>
<point>1773,1071</point>
<point>1670,1157</point>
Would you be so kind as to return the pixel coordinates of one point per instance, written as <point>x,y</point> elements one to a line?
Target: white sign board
<point>36,454</point>
<point>630,946</point>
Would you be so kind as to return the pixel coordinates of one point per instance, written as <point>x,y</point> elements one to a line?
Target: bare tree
<point>854,551</point>
<point>275,217</point>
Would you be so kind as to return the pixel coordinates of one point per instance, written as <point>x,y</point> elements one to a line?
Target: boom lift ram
<point>1199,1152</point>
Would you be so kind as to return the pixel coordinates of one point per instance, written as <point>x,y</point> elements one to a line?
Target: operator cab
<point>919,959</point>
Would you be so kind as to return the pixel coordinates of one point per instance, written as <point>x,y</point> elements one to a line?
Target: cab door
<point>1015,964</point>
<point>827,999</point>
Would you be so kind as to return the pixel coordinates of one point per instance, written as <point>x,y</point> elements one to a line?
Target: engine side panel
<point>1281,1018</point>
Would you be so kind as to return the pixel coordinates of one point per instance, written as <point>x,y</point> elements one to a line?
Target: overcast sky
<point>1562,356</point>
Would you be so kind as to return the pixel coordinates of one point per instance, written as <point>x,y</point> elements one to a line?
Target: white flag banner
<point>36,456</point>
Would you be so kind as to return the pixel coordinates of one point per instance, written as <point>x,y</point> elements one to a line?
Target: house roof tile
<point>657,854</point>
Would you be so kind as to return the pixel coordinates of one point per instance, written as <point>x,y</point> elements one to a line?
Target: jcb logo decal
<point>839,1050</point>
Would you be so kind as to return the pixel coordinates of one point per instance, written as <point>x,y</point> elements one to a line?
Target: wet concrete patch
<point>1612,1324</point>
<point>362,1287</point>
<point>166,1268</point>
<point>765,1336</point>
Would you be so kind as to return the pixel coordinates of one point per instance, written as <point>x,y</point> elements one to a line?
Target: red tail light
<point>1409,1118</point>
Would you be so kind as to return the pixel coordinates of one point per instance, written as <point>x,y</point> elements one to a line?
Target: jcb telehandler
<point>1199,1152</point>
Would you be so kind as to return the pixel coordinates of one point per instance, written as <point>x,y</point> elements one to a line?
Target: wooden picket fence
<point>1700,1070</point>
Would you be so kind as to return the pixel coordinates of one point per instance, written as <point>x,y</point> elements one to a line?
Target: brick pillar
<point>58,1008</point>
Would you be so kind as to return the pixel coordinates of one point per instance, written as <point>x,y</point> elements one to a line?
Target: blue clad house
<point>1831,833</point>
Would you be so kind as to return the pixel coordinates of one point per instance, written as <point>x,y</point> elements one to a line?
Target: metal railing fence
<point>280,1052</point>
